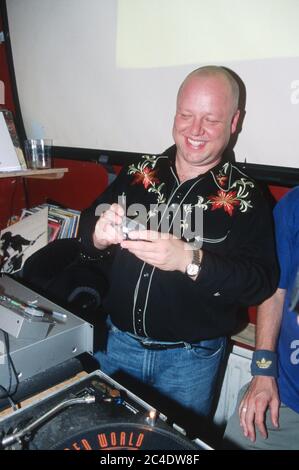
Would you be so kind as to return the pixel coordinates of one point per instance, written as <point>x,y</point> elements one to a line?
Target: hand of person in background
<point>162,250</point>
<point>108,227</point>
<point>261,394</point>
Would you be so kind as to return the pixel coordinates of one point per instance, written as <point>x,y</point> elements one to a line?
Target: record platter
<point>94,413</point>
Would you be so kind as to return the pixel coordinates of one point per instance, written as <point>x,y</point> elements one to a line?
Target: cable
<point>11,366</point>
<point>12,200</point>
<point>11,371</point>
<point>14,405</point>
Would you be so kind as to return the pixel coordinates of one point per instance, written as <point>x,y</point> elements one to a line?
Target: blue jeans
<point>186,376</point>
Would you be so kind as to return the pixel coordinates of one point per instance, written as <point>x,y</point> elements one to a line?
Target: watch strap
<point>193,268</point>
<point>196,257</point>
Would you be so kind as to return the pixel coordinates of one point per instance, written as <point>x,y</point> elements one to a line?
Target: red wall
<point>11,189</point>
<point>4,76</point>
<point>77,189</point>
<point>278,191</point>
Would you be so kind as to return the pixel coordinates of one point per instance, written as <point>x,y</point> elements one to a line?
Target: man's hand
<point>108,227</point>
<point>261,394</point>
<point>161,250</point>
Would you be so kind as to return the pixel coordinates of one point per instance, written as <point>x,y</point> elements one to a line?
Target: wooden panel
<point>40,396</point>
<point>49,173</point>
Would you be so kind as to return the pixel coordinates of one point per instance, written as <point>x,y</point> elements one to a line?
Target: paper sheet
<point>8,157</point>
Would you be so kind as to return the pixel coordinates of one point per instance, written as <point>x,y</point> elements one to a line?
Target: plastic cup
<point>38,153</point>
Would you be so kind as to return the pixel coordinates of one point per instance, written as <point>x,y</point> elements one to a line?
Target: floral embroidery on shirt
<point>229,200</point>
<point>145,174</point>
<point>221,179</point>
<point>225,200</point>
<point>147,177</point>
<point>201,203</point>
<point>236,196</point>
<point>243,193</point>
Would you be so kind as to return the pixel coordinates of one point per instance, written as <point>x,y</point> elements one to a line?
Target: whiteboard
<point>103,74</point>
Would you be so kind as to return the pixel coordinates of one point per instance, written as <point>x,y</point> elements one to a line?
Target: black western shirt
<point>239,266</point>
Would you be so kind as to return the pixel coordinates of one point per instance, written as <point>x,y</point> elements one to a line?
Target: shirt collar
<point>215,171</point>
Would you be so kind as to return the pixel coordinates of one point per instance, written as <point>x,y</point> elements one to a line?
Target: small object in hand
<point>129,225</point>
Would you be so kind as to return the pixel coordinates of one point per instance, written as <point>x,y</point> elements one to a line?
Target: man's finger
<point>250,423</point>
<point>138,246</point>
<point>260,417</point>
<point>149,235</point>
<point>274,412</point>
<point>112,217</point>
<point>242,416</point>
<point>119,210</point>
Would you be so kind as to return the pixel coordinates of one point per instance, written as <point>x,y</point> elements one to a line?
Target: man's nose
<point>197,128</point>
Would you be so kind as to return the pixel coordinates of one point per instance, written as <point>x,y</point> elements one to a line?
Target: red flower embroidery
<point>224,200</point>
<point>221,180</point>
<point>147,177</point>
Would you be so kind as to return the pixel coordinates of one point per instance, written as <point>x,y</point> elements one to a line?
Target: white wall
<point>104,73</point>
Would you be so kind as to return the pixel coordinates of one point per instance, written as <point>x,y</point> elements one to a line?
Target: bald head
<point>206,116</point>
<point>214,72</point>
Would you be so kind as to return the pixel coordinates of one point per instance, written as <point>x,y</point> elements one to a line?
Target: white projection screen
<point>103,74</point>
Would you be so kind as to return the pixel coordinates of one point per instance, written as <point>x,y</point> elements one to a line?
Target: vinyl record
<point>96,428</point>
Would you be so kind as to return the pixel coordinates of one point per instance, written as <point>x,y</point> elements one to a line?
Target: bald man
<point>206,249</point>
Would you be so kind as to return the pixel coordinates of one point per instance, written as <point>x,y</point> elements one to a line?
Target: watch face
<point>192,269</point>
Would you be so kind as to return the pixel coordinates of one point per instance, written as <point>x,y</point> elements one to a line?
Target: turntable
<point>94,413</point>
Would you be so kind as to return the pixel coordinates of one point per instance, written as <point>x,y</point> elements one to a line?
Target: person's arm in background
<point>262,391</point>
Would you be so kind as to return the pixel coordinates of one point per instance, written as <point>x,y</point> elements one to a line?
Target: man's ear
<point>234,122</point>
